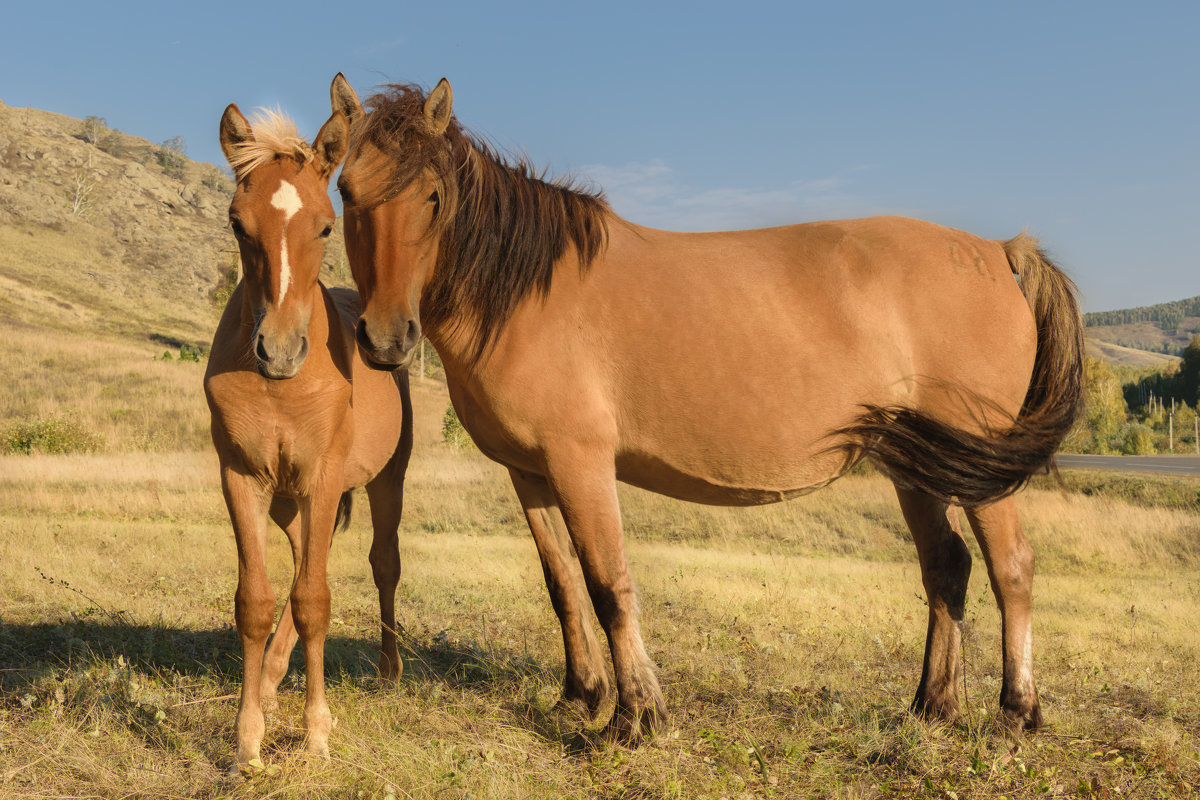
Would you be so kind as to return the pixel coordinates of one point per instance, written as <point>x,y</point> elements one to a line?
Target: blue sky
<point>1077,120</point>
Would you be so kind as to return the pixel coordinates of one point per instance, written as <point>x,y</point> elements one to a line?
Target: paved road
<point>1167,465</point>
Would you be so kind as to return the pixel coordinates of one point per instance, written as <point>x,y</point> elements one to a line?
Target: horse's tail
<point>961,467</point>
<point>345,506</point>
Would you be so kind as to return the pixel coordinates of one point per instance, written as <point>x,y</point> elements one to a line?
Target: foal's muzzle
<point>280,357</point>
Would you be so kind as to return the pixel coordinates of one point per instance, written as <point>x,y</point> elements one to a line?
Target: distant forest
<point>1167,315</point>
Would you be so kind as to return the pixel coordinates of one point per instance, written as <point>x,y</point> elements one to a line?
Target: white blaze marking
<point>287,200</point>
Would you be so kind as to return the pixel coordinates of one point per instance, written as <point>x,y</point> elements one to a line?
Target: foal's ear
<point>437,107</point>
<point>343,98</point>
<point>331,143</point>
<point>234,131</point>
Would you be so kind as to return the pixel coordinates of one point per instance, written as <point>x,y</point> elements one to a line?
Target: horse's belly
<point>726,482</point>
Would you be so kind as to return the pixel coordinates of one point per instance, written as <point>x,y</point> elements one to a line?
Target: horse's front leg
<point>582,477</point>
<point>254,602</point>
<point>310,606</point>
<point>586,684</point>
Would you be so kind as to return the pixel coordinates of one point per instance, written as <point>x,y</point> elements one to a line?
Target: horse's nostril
<point>260,349</point>
<point>360,334</point>
<point>303,349</point>
<point>412,335</point>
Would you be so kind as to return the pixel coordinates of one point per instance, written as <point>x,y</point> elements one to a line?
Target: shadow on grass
<point>32,653</point>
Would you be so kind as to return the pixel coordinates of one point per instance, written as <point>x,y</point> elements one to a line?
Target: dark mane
<point>502,226</point>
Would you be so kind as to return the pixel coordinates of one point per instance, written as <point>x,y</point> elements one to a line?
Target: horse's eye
<point>328,230</point>
<point>238,230</point>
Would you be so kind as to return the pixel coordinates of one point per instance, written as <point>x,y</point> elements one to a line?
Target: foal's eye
<point>238,230</point>
<point>328,230</point>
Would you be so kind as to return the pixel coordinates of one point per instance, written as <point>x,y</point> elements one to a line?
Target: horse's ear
<point>437,107</point>
<point>343,98</point>
<point>331,143</point>
<point>234,131</point>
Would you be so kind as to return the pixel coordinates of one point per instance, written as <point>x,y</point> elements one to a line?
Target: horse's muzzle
<point>385,351</point>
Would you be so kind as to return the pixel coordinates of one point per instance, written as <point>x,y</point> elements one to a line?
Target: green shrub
<point>50,435</point>
<point>453,433</point>
<point>189,352</point>
<point>1139,441</point>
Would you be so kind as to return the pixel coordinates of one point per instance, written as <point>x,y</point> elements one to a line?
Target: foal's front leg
<point>310,607</point>
<point>254,602</point>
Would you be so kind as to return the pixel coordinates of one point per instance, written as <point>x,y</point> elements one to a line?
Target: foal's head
<point>282,217</point>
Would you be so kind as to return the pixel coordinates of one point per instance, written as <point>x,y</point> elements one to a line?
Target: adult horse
<point>297,419</point>
<point>729,368</point>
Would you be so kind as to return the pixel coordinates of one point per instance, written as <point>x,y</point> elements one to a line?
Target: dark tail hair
<point>345,507</point>
<point>969,469</point>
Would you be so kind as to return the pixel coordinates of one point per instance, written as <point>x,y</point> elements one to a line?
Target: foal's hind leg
<point>386,495</point>
<point>586,684</point>
<point>286,514</point>
<point>945,568</point>
<point>1010,566</point>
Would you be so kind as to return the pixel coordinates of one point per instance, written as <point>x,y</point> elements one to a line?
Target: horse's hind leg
<point>945,568</point>
<point>386,495</point>
<point>254,603</point>
<point>586,684</point>
<point>286,514</point>
<point>1010,566</point>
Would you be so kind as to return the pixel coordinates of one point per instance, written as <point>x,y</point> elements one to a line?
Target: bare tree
<point>83,183</point>
<point>94,130</point>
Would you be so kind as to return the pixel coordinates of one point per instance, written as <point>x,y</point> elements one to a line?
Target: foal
<point>297,419</point>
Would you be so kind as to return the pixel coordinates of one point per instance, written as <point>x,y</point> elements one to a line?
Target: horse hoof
<point>945,711</point>
<point>389,671</point>
<point>1019,721</point>
<point>630,729</point>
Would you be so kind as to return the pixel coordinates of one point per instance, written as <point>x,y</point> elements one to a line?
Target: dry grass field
<point>789,638</point>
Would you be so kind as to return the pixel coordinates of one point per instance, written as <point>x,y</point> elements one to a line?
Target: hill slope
<point>107,240</point>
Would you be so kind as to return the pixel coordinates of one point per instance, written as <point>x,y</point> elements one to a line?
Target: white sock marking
<point>287,200</point>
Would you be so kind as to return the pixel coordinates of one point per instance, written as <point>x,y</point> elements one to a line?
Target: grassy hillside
<point>1165,328</point>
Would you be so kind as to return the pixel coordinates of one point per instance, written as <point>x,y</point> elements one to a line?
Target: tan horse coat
<point>731,368</point>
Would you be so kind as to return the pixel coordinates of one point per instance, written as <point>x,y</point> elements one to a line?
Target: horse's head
<point>398,192</point>
<point>282,217</point>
